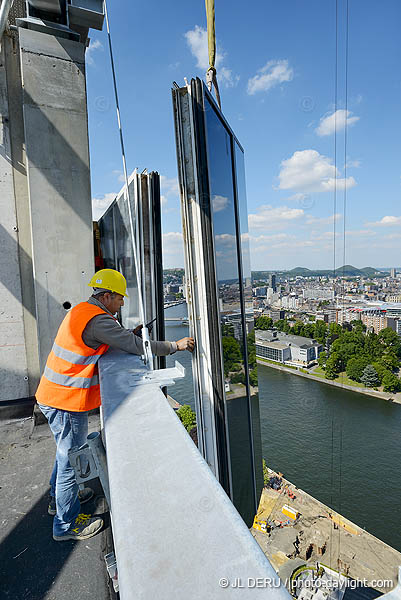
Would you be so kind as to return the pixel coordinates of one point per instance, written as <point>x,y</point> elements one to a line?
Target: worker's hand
<point>186,343</point>
<point>137,330</point>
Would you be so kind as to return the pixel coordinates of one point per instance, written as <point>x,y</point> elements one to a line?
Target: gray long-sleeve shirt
<point>104,329</point>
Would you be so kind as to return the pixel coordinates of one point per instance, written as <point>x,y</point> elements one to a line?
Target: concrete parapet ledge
<point>176,532</point>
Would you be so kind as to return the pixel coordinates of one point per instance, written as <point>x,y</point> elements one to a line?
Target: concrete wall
<point>13,364</point>
<point>46,256</point>
<point>56,138</point>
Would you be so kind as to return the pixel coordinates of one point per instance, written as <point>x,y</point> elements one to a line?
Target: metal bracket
<point>160,376</point>
<point>89,462</point>
<point>111,566</point>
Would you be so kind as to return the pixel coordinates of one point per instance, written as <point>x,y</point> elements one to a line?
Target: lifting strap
<point>211,79</point>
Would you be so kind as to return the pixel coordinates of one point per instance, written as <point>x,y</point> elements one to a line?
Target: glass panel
<point>107,239</point>
<point>220,167</point>
<point>249,316</point>
<point>125,263</point>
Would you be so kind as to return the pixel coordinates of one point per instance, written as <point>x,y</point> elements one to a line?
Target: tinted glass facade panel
<point>226,217</point>
<point>213,202</point>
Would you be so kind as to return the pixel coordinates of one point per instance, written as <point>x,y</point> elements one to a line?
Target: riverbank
<point>394,398</point>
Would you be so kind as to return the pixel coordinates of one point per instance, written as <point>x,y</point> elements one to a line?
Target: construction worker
<point>69,388</point>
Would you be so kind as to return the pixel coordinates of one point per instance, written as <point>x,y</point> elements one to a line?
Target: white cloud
<point>100,204</point>
<point>266,239</point>
<point>360,232</point>
<point>322,221</point>
<point>197,43</point>
<point>387,221</point>
<point>268,217</point>
<point>336,121</point>
<point>273,73</point>
<point>119,174</point>
<point>173,249</point>
<point>299,197</point>
<point>225,239</point>
<point>227,77</point>
<point>93,46</point>
<point>219,203</point>
<point>309,171</point>
<point>353,163</point>
<point>169,186</point>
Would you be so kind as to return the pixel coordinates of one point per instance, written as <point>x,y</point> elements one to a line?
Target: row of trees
<point>317,330</point>
<point>369,358</point>
<point>233,357</point>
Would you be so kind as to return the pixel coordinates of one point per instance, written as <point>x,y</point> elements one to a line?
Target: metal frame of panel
<point>146,211</point>
<point>203,289</point>
<point>199,323</point>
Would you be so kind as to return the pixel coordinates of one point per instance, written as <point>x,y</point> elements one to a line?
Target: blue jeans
<point>70,430</point>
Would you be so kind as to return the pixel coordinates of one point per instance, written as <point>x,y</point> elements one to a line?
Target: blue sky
<point>276,70</point>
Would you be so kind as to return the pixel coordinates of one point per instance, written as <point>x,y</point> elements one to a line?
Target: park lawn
<point>342,378</point>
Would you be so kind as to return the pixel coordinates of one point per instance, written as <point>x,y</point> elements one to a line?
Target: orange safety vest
<point>70,380</point>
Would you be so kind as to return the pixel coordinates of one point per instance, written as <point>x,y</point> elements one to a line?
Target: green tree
<point>320,331</point>
<point>358,325</point>
<point>281,324</point>
<point>298,328</point>
<point>390,361</point>
<point>253,377</point>
<point>309,330</point>
<point>227,330</point>
<point>187,417</point>
<point>238,378</point>
<point>250,339</point>
<point>335,330</point>
<point>391,383</point>
<point>231,352</point>
<point>355,368</point>
<point>322,359</point>
<point>263,323</point>
<point>369,376</point>
<point>380,370</point>
<point>333,366</point>
<point>390,340</point>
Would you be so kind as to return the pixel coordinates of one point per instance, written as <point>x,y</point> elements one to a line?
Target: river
<point>341,447</point>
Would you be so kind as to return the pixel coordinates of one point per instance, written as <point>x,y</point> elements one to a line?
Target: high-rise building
<point>393,273</point>
<point>272,281</point>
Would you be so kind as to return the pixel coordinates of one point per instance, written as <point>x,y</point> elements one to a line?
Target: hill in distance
<point>344,271</point>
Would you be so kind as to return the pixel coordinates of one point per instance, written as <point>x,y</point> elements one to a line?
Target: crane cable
<point>211,76</point>
<point>340,419</point>
<point>147,350</point>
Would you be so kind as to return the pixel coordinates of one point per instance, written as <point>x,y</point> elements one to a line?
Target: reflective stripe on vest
<point>66,380</point>
<point>70,380</point>
<point>73,357</point>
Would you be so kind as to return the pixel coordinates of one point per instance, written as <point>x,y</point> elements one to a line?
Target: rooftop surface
<point>314,536</point>
<point>285,338</point>
<point>33,566</point>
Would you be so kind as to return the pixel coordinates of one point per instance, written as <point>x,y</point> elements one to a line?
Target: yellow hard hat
<point>109,279</point>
